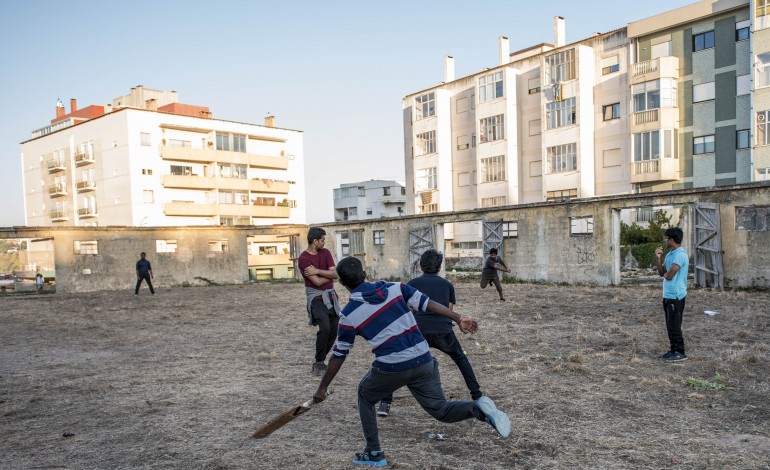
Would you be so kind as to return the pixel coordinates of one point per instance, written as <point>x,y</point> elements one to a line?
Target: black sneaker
<point>502,299</point>
<point>677,357</point>
<point>370,458</point>
<point>666,356</point>
<point>319,368</point>
<point>384,409</point>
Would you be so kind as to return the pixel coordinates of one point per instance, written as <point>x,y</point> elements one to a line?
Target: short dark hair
<point>315,233</point>
<point>493,251</point>
<point>143,253</point>
<point>430,261</point>
<point>676,234</point>
<point>351,272</point>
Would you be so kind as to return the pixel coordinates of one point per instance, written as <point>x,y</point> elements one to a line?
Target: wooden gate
<point>708,246</point>
<point>492,235</point>
<point>420,240</point>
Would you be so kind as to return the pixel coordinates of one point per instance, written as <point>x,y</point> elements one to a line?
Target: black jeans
<point>144,277</point>
<point>327,320</point>
<point>674,311</point>
<point>485,281</point>
<point>449,345</point>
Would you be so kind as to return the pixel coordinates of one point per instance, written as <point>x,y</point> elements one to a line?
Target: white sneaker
<point>498,419</point>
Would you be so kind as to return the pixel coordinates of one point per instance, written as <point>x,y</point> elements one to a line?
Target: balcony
<point>240,184</point>
<point>649,171</point>
<point>85,186</point>
<point>55,165</point>
<point>192,209</point>
<point>58,216</point>
<point>662,67</point>
<point>83,159</point>
<point>57,190</point>
<point>189,154</point>
<point>392,199</point>
<point>655,119</point>
<point>87,212</point>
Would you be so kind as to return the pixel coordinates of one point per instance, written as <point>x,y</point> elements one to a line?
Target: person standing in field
<point>143,273</point>
<point>492,265</point>
<point>673,269</point>
<point>318,271</point>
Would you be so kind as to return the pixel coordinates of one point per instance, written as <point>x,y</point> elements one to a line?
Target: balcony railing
<point>58,216</point>
<point>647,171</point>
<point>83,159</point>
<point>57,190</point>
<point>55,165</point>
<point>86,212</point>
<point>647,166</point>
<point>646,67</point>
<point>644,117</point>
<point>84,186</point>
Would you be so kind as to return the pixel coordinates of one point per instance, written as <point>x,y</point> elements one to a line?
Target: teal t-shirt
<point>676,288</point>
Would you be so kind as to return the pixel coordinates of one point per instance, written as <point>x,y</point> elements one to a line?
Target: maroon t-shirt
<point>322,260</point>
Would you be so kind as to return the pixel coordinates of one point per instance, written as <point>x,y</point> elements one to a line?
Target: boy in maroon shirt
<point>319,272</point>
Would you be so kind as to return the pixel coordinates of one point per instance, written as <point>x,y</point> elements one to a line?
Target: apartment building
<point>666,102</point>
<point>149,160</point>
<point>369,200</point>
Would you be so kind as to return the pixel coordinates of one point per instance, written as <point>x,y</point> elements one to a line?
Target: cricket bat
<point>284,418</point>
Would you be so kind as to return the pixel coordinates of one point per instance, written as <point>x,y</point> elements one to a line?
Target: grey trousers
<point>424,382</point>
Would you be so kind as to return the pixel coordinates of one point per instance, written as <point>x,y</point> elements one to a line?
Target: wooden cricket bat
<point>284,418</point>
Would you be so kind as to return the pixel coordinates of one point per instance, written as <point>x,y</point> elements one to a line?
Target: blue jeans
<point>424,382</point>
<point>449,345</point>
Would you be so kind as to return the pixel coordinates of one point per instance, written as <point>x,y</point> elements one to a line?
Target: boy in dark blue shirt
<point>438,330</point>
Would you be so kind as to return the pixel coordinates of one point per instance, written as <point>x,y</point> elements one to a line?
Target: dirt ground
<point>180,380</point>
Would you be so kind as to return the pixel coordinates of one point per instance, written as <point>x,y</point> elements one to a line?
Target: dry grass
<point>179,380</point>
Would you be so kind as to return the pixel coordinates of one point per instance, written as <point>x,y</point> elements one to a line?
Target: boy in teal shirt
<point>674,272</point>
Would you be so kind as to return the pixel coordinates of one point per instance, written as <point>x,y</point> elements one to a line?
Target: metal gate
<point>294,251</point>
<point>420,241</point>
<point>708,246</point>
<point>492,234</point>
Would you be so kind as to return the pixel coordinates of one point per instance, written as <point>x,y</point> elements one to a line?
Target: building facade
<point>148,160</point>
<point>369,200</point>
<point>667,102</point>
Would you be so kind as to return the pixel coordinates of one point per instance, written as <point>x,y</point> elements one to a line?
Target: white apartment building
<point>369,200</point>
<point>666,102</point>
<point>148,160</point>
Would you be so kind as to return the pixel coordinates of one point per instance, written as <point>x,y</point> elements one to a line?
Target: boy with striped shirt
<point>380,313</point>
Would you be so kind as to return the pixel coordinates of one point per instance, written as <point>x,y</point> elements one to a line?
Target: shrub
<point>645,254</point>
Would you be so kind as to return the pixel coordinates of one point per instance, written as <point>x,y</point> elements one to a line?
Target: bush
<point>631,234</point>
<point>645,254</point>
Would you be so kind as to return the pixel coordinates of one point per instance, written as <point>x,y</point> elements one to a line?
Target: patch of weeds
<point>717,382</point>
<point>577,358</point>
<point>208,282</point>
<point>185,284</point>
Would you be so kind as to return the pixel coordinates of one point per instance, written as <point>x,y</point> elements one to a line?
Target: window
<point>232,170</point>
<point>148,196</point>
<point>379,237</point>
<point>581,225</point>
<point>218,246</point>
<point>561,195</point>
<point>763,174</point>
<point>703,144</point>
<point>742,30</point>
<point>386,191</point>
<point>611,158</point>
<point>165,246</point>
<point>703,41</point>
<point>743,85</point>
<point>742,139</point>
<point>496,201</point>
<point>147,171</point>
<point>180,170</point>
<point>226,196</point>
<point>561,158</point>
<point>426,143</point>
<point>264,201</point>
<point>490,87</point>
<point>344,243</point>
<point>510,229</point>
<point>560,67</point>
<point>425,105</point>
<point>647,146</point>
<point>703,92</point>
<point>763,70</point>
<point>349,191</point>
<point>463,142</point>
<point>145,139</point>
<point>762,135</point>
<point>645,214</point>
<point>223,141</point>
<point>611,111</point>
<point>239,143</point>
<point>89,247</point>
<point>763,7</point>
<point>491,129</point>
<point>461,105</point>
<point>426,179</point>
<point>560,113</point>
<point>646,96</point>
<point>353,211</point>
<point>473,140</point>
<point>268,250</point>
<point>610,65</point>
<point>178,143</point>
<point>493,169</point>
<point>466,245</point>
<point>661,50</point>
<point>752,218</point>
<point>534,85</point>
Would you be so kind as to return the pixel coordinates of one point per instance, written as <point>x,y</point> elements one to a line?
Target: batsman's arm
<point>335,363</point>
<point>467,324</point>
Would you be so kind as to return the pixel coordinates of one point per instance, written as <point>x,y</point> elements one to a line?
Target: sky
<point>336,70</point>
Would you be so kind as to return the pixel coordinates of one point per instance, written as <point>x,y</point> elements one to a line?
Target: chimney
<point>269,121</point>
<point>559,31</point>
<point>60,109</point>
<point>151,104</point>
<point>449,68</point>
<point>73,105</point>
<point>504,50</point>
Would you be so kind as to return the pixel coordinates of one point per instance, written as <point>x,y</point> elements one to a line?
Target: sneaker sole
<point>498,419</point>
<point>371,463</point>
<point>380,413</point>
